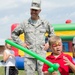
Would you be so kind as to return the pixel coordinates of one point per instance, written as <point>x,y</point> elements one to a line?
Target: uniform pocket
<point>42,31</point>
<point>29,31</point>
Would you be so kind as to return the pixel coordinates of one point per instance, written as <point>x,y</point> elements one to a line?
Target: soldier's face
<point>35,14</point>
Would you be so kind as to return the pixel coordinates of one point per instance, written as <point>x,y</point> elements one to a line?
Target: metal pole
<point>7,70</point>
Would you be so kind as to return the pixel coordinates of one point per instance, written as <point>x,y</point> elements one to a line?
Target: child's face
<point>56,47</point>
<point>8,46</point>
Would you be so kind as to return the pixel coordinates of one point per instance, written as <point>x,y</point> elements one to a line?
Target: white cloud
<point>24,1</point>
<point>4,20</point>
<point>9,4</point>
<point>53,4</point>
<point>72,14</point>
<point>6,4</point>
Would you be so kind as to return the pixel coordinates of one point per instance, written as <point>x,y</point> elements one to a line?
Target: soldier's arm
<point>50,29</point>
<point>15,34</point>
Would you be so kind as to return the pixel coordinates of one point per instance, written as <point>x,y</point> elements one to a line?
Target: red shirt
<point>64,69</point>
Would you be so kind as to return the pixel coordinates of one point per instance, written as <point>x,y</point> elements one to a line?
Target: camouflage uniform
<point>34,32</point>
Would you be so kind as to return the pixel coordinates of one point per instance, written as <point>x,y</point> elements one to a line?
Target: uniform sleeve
<point>50,29</point>
<point>16,32</point>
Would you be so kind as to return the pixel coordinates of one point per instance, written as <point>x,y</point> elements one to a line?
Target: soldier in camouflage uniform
<point>34,30</point>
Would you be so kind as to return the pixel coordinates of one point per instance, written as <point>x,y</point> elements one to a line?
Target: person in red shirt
<point>57,56</point>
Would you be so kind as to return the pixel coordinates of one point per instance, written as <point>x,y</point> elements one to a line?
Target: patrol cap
<point>36,4</point>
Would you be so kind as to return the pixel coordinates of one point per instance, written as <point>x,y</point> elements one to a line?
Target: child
<point>57,56</point>
<point>73,46</point>
<point>9,59</point>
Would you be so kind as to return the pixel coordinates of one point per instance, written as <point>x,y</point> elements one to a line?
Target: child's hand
<point>54,73</point>
<point>12,55</point>
<point>66,60</point>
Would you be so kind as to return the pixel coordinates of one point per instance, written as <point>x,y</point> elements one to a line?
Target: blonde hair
<point>54,39</point>
<point>6,43</point>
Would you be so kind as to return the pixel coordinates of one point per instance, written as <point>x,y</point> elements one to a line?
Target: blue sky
<point>16,11</point>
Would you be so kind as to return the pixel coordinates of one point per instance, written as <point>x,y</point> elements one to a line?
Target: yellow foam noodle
<point>21,53</point>
<point>65,33</point>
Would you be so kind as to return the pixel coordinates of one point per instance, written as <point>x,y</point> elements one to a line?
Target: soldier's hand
<point>46,46</point>
<point>26,45</point>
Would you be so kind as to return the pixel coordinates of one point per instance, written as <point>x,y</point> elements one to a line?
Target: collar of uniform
<point>36,22</point>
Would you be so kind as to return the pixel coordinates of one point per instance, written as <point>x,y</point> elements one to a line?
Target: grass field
<point>21,72</point>
<point>2,71</point>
